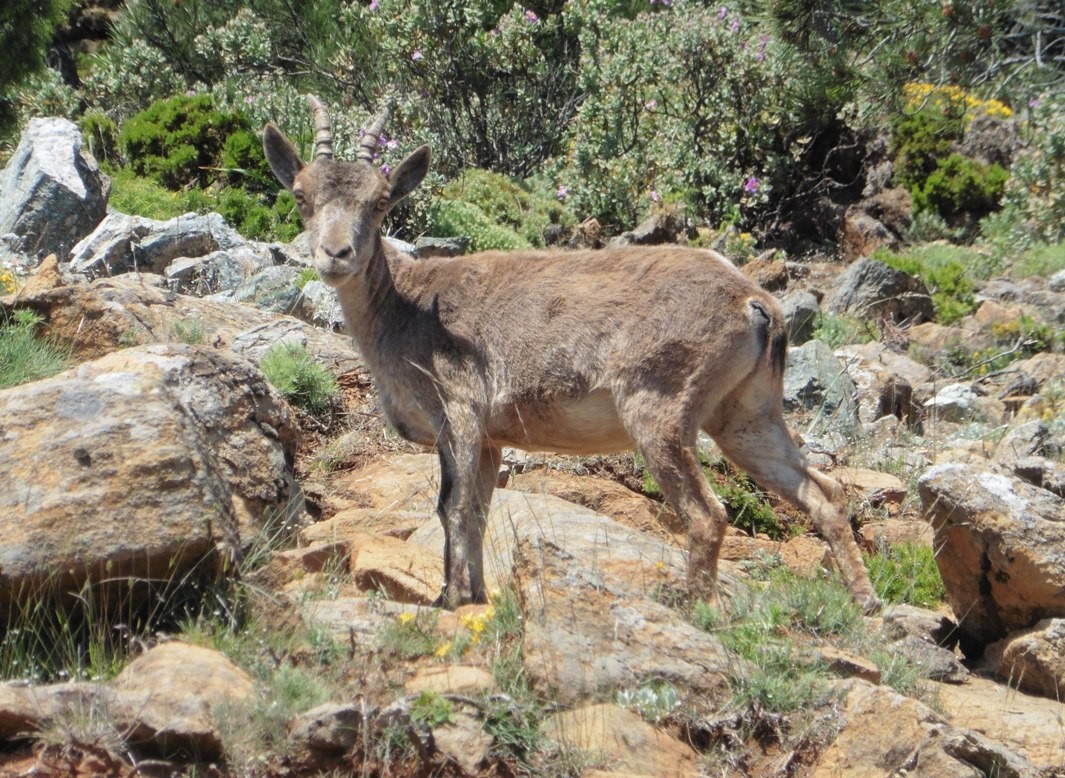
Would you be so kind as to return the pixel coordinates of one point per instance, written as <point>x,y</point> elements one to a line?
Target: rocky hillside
<point>201,576</point>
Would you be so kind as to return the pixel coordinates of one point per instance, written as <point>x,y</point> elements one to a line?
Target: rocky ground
<point>163,468</point>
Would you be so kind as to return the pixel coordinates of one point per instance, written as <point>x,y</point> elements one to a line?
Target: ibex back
<point>573,352</point>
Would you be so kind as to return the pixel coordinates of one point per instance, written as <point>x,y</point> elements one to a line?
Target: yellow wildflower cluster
<point>477,623</point>
<point>920,94</point>
<point>406,619</point>
<point>8,283</point>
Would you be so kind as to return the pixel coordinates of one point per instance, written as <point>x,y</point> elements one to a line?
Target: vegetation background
<point>761,115</point>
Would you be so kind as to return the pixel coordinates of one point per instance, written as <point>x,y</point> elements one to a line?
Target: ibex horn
<point>323,135</point>
<point>368,144</point>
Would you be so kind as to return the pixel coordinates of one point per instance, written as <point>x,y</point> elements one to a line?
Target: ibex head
<point>342,203</point>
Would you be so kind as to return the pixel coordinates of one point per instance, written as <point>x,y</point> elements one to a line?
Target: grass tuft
<point>24,357</point>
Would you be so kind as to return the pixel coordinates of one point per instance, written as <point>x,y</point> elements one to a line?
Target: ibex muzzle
<point>574,352</point>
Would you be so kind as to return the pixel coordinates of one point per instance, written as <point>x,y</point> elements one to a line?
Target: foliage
<point>947,272</point>
<point>654,701</point>
<point>24,357</point>
<point>457,218</point>
<point>838,330</point>
<point>1034,200</point>
<point>961,185</point>
<point>26,29</point>
<point>431,710</point>
<point>409,636</point>
<point>678,103</point>
<point>906,573</point>
<point>180,140</point>
<point>747,506</point>
<point>188,330</point>
<point>291,369</point>
<point>527,209</point>
<point>1040,259</point>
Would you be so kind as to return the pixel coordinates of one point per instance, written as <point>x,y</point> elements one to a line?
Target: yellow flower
<point>444,649</point>
<point>406,618</point>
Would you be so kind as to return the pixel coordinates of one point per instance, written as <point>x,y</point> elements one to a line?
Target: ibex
<point>575,352</point>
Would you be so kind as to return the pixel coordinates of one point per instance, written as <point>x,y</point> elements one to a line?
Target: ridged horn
<point>368,144</point>
<point>323,134</point>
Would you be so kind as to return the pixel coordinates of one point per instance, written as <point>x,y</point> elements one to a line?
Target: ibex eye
<point>382,204</point>
<point>298,195</point>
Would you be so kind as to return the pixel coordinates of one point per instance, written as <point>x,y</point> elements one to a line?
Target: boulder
<point>903,621</point>
<point>218,271</point>
<point>934,662</point>
<point>875,222</point>
<point>52,192</point>
<point>954,402</point>
<point>121,243</point>
<point>405,572</point>
<point>884,381</point>
<point>168,698</point>
<point>816,380</point>
<point>801,312</point>
<point>886,733</point>
<point>870,289</point>
<point>1033,660</point>
<point>138,465</point>
<point>585,633</point>
<point>328,730</point>
<point>1002,550</point>
<point>611,735</point>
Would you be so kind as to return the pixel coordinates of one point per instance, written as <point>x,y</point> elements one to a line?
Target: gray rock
<point>956,402</point>
<point>1002,550</point>
<point>816,379</point>
<point>902,621</point>
<point>272,289</point>
<point>219,271</point>
<point>656,229</point>
<point>321,307</point>
<point>441,247</point>
<point>52,192</point>
<point>801,311</point>
<point>122,243</point>
<point>935,662</point>
<point>871,289</point>
<point>1057,282</point>
<point>331,729</point>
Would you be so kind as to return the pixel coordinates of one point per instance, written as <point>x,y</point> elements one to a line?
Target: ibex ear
<point>282,155</point>
<point>409,173</point>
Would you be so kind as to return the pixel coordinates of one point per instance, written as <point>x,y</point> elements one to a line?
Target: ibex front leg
<point>468,472</point>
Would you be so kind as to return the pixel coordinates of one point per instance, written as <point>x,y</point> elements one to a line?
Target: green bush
<point>180,140</point>
<point>527,209</point>
<point>291,369</point>
<point>457,218</point>
<point>961,185</point>
<point>907,573</point>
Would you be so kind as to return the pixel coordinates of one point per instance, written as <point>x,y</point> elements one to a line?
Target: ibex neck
<point>370,300</point>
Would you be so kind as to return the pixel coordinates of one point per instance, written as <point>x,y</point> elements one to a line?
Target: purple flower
<point>655,196</point>
<point>531,17</point>
<point>751,185</point>
<point>723,13</point>
<point>1034,103</point>
<point>735,26</point>
<point>651,104</point>
<point>374,4</point>
<point>386,171</point>
<point>416,56</point>
<point>562,192</point>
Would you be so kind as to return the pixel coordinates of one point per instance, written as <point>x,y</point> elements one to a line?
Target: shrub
<point>527,209</point>
<point>946,271</point>
<point>179,140</point>
<point>291,369</point>
<point>457,218</point>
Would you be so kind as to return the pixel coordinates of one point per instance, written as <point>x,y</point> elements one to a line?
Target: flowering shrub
<point>677,103</point>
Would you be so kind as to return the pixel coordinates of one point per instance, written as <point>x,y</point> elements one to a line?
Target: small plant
<point>23,356</point>
<point>836,330</point>
<point>293,372</point>
<point>654,702</point>
<point>946,271</point>
<point>457,218</point>
<point>409,636</point>
<point>188,330</point>
<point>307,275</point>
<point>907,573</point>
<point>431,710</point>
<point>747,506</point>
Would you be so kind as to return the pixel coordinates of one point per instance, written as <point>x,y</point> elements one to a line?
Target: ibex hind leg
<point>670,457</point>
<point>758,441</point>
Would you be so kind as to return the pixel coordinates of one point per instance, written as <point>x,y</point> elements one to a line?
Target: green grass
<point>1040,260</point>
<point>948,271</point>
<point>836,331</point>
<point>291,369</point>
<point>24,357</point>
<point>907,573</point>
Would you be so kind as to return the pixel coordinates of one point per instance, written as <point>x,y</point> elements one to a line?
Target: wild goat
<point>576,352</point>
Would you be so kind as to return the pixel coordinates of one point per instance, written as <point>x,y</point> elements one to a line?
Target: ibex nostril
<point>344,252</point>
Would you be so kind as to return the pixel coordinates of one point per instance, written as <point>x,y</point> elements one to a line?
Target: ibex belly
<point>588,424</point>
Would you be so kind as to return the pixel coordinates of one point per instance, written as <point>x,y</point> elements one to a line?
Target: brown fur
<point>574,352</point>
